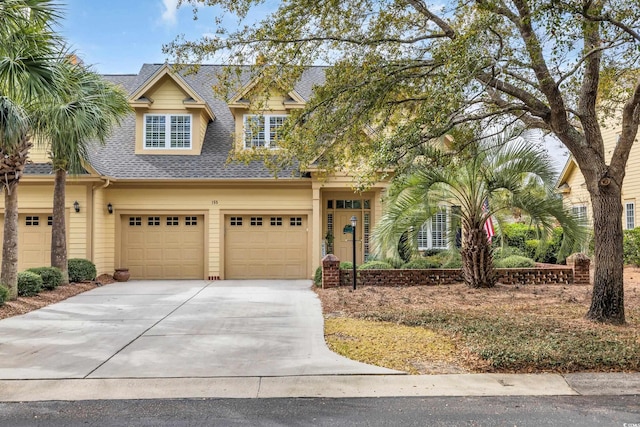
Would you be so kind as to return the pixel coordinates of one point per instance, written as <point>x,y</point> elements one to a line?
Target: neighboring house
<point>161,199</point>
<point>573,188</point>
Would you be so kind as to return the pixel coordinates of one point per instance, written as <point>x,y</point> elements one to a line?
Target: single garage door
<point>163,247</point>
<point>266,247</point>
<point>34,240</point>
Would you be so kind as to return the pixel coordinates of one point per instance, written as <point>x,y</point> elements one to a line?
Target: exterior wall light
<point>76,206</point>
<point>110,208</point>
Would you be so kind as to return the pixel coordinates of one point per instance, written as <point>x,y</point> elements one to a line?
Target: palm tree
<point>506,171</point>
<point>28,53</point>
<point>85,109</point>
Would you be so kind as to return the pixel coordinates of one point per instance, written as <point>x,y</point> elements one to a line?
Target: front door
<point>343,243</point>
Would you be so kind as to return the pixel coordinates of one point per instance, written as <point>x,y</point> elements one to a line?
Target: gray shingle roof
<point>117,157</point>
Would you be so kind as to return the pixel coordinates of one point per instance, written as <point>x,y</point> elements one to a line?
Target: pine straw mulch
<point>504,329</point>
<point>24,305</point>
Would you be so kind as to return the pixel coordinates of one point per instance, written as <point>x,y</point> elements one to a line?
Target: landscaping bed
<point>24,305</point>
<point>509,328</point>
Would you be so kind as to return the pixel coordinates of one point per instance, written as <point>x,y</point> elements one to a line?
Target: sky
<point>118,36</point>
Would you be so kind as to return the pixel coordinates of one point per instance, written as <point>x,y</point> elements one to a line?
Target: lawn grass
<point>451,329</point>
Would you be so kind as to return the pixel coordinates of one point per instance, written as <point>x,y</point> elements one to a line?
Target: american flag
<point>488,223</point>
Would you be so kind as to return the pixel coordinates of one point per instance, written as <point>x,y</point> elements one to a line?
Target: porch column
<point>316,228</point>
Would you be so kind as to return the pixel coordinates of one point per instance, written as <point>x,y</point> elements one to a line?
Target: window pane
<point>180,131</point>
<point>275,127</point>
<point>254,135</point>
<point>630,210</point>
<point>154,131</point>
<point>439,230</point>
<point>580,212</point>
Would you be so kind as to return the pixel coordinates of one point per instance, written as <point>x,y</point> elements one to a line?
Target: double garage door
<point>266,246</point>
<point>255,246</point>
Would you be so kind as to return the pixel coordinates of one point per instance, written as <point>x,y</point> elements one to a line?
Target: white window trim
<point>167,133</point>
<point>629,225</point>
<point>427,229</point>
<point>575,208</point>
<point>267,130</point>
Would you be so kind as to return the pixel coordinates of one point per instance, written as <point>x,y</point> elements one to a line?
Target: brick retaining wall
<point>575,272</point>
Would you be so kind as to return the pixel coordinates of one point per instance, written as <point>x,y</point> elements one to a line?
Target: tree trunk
<point>477,260</point>
<point>9,274</point>
<point>58,229</point>
<point>607,301</point>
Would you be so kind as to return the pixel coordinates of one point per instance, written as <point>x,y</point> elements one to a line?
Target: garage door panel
<point>163,247</point>
<point>274,250</point>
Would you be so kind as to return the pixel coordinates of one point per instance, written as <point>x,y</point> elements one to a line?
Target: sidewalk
<point>329,386</point>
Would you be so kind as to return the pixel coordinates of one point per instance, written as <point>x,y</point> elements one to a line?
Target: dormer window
<point>262,130</point>
<point>167,131</point>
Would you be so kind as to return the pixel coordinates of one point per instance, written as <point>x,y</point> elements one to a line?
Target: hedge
<point>81,269</point>
<point>51,276</point>
<point>29,284</point>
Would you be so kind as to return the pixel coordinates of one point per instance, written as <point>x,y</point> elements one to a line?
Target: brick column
<point>580,264</point>
<point>330,271</point>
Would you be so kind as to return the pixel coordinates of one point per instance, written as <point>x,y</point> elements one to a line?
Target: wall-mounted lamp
<point>76,206</point>
<point>110,208</point>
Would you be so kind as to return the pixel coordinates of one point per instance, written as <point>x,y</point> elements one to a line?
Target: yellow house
<point>573,188</point>
<point>161,199</point>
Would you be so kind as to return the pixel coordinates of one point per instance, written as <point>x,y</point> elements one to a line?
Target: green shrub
<point>346,265</point>
<point>317,278</point>
<point>631,245</point>
<point>421,264</point>
<point>451,259</point>
<point>29,283</point>
<point>81,269</point>
<point>375,265</point>
<point>515,261</point>
<point>51,276</point>
<point>432,252</point>
<point>503,252</point>
<point>516,234</point>
<point>4,294</point>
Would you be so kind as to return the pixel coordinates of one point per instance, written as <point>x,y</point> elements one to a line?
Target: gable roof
<point>117,158</point>
<point>568,170</point>
<point>193,99</point>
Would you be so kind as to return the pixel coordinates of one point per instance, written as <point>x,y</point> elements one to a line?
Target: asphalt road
<point>622,411</point>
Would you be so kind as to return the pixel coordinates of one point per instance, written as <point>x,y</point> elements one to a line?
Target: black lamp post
<point>354,221</point>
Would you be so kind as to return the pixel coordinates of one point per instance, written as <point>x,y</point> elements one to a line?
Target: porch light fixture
<point>76,206</point>
<point>110,208</point>
<point>354,221</point>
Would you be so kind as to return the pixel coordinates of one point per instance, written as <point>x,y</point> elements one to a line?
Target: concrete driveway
<point>172,329</point>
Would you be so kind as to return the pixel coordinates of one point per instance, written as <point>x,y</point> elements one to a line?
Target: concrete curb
<point>330,386</point>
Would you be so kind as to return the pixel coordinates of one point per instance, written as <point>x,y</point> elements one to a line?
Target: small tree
<point>84,109</point>
<point>29,50</point>
<point>505,170</point>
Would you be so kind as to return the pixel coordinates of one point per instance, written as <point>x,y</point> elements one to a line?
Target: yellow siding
<point>167,95</point>
<point>579,196</point>
<point>104,234</point>
<point>38,198</point>
<point>212,203</point>
<point>39,153</point>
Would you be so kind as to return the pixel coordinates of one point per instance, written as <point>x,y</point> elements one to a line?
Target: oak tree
<point>405,71</point>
